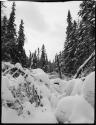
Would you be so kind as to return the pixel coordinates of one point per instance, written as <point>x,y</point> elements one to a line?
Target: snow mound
<point>77,87</point>
<point>89,88</point>
<point>74,109</point>
<point>40,75</point>
<point>69,87</point>
<point>7,65</point>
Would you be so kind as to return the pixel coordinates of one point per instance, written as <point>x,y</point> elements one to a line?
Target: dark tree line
<point>39,59</point>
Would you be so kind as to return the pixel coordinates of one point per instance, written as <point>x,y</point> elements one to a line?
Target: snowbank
<point>77,89</point>
<point>89,88</point>
<point>31,97</point>
<point>74,109</point>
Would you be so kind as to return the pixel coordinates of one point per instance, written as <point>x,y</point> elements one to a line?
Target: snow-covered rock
<point>18,66</point>
<point>74,109</point>
<point>40,75</point>
<point>89,88</point>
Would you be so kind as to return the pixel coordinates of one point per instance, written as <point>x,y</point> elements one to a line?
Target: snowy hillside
<point>30,96</point>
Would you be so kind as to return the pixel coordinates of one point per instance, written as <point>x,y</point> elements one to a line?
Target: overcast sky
<point>44,23</point>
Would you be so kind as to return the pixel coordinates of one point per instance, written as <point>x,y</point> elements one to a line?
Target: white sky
<point>44,23</point>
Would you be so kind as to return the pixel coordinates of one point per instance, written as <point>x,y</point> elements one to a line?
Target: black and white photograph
<point>48,61</point>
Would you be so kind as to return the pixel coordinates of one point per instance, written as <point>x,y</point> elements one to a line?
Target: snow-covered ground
<point>30,96</point>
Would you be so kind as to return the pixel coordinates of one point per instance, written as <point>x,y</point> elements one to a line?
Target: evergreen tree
<point>21,36</point>
<point>8,35</point>
<point>43,59</point>
<point>5,55</point>
<point>38,58</point>
<point>20,44</point>
<point>34,65</point>
<point>11,35</point>
<point>67,45</point>
<point>86,39</point>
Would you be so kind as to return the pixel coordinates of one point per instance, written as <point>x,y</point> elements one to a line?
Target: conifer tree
<point>5,55</point>
<point>67,47</point>
<point>86,39</point>
<point>43,58</point>
<point>11,35</point>
<point>34,65</point>
<point>9,39</point>
<point>20,44</point>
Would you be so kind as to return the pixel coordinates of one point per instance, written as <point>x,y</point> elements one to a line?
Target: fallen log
<point>84,64</point>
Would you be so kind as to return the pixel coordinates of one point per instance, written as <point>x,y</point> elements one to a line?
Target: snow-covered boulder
<point>40,75</point>
<point>74,109</point>
<point>7,65</point>
<point>89,88</point>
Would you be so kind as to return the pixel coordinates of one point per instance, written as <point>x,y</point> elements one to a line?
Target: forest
<point>78,46</point>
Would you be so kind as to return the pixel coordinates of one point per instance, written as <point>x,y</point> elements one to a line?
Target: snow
<point>20,79</point>
<point>77,87</point>
<point>45,91</point>
<point>69,87</point>
<point>18,66</point>
<point>54,100</point>
<point>41,76</point>
<point>6,93</point>
<point>58,85</point>
<point>61,101</point>
<point>74,109</point>
<point>89,88</point>
<point>39,115</point>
